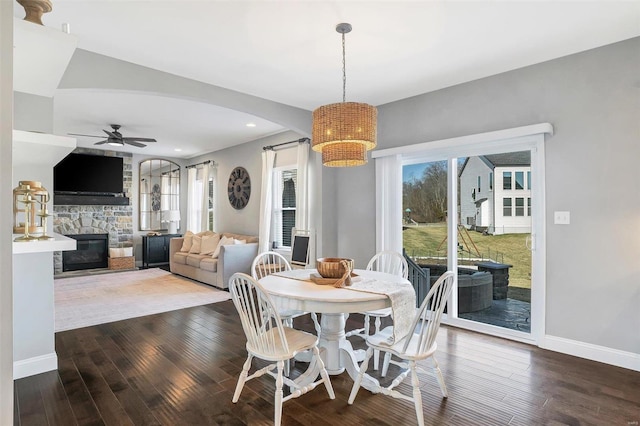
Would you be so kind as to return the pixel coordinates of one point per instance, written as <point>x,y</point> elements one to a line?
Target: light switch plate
<point>561,218</point>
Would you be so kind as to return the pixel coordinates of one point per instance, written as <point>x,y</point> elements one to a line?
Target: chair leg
<point>243,378</point>
<point>438,373</point>
<point>385,364</point>
<point>358,381</point>
<point>287,322</point>
<point>417,395</point>
<point>279,395</point>
<point>366,325</point>
<point>323,373</point>
<point>376,353</point>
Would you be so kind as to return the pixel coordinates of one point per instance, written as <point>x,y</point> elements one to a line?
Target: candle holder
<point>28,202</point>
<point>43,215</point>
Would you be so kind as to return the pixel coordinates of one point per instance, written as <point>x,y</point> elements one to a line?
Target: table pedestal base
<point>337,353</point>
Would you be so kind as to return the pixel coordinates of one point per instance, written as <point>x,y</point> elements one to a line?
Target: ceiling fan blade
<point>139,145</point>
<point>111,134</point>
<point>102,142</point>
<point>90,136</point>
<point>140,139</point>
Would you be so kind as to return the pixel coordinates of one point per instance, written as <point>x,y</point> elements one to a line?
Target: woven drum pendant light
<point>344,131</point>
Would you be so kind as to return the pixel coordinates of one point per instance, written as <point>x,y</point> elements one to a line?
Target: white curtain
<point>204,195</point>
<point>266,199</point>
<point>389,218</point>
<point>198,198</point>
<point>193,201</point>
<point>302,187</point>
<point>165,188</point>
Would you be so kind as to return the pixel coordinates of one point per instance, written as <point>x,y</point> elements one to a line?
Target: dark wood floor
<point>180,368</point>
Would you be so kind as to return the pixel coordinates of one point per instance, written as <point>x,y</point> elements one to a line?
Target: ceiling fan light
<point>115,143</point>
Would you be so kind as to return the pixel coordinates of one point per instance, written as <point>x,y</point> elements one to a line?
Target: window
<point>519,180</point>
<point>506,206</point>
<point>528,180</point>
<point>284,205</point>
<point>490,181</point>
<point>519,206</point>
<point>506,180</point>
<point>478,184</point>
<point>529,206</point>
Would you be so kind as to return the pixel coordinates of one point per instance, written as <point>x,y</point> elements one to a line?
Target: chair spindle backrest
<point>267,263</point>
<point>390,262</point>
<point>258,315</point>
<point>427,321</point>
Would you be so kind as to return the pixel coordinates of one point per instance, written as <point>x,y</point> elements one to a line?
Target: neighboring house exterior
<point>495,193</point>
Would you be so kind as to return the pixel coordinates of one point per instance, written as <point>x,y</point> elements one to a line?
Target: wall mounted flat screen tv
<point>88,174</point>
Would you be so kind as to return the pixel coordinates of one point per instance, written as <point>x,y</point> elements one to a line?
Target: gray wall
<point>593,101</point>
<point>247,155</point>
<point>32,113</point>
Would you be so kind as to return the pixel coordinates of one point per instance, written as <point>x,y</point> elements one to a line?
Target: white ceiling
<point>289,52</point>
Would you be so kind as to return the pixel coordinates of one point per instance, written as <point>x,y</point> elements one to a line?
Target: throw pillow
<point>195,244</point>
<point>209,243</point>
<point>223,242</point>
<point>187,241</point>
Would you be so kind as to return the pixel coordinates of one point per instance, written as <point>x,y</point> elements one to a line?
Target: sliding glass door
<point>479,211</point>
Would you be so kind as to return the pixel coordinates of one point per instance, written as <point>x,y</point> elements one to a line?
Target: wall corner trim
<point>592,352</point>
<point>36,365</point>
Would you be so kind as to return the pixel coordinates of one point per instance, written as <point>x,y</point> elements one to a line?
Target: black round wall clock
<point>239,188</point>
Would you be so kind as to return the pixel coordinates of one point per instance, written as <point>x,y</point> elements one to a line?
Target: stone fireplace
<point>114,221</point>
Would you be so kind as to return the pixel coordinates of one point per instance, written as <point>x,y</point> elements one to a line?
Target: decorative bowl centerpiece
<point>333,267</point>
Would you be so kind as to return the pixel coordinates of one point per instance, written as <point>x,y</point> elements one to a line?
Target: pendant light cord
<point>344,72</point>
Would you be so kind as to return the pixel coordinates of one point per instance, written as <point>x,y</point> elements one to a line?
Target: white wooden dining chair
<point>270,340</point>
<point>392,263</point>
<point>270,262</point>
<point>418,345</point>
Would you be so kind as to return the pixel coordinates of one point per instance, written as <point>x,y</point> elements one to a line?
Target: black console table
<point>155,249</point>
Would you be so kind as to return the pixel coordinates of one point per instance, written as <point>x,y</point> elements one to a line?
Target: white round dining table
<point>288,290</point>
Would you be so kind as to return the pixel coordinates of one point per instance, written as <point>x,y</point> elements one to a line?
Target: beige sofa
<point>216,272</point>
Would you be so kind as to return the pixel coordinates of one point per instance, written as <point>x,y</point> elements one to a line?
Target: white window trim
<point>389,164</point>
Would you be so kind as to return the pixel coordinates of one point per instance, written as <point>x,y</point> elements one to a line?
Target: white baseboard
<point>603,354</point>
<point>36,365</point>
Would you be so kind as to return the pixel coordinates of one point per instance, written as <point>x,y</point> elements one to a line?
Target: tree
<point>427,197</point>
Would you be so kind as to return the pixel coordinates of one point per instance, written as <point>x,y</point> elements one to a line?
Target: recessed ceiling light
<point>178,149</point>
<point>251,124</point>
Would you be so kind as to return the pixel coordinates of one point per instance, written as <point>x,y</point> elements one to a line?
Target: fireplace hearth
<point>91,253</point>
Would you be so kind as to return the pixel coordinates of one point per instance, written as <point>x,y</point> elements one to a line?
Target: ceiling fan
<point>115,138</point>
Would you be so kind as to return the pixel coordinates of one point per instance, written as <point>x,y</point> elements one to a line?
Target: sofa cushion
<point>180,257</point>
<point>223,242</point>
<point>248,238</point>
<point>209,244</point>
<point>209,264</point>
<point>187,241</point>
<point>195,245</point>
<point>195,259</point>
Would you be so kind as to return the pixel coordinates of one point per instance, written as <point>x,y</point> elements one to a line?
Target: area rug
<point>98,299</point>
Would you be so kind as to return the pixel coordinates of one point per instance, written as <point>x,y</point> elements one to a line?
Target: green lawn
<point>423,241</point>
